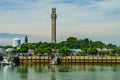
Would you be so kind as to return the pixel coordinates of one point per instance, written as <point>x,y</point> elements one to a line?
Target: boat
<point>56,61</point>
<point>5,62</point>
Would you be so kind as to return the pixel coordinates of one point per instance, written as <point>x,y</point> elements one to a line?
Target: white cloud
<point>33,17</point>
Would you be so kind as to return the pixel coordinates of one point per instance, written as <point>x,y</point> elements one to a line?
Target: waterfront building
<point>16,42</point>
<point>53,24</point>
<point>75,51</point>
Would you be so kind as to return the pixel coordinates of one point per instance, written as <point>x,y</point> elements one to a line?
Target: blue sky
<point>94,19</point>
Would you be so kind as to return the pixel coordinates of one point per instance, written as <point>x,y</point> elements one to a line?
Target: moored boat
<point>56,61</point>
<point>5,62</point>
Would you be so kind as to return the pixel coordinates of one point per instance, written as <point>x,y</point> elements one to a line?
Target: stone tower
<point>26,39</point>
<point>53,24</point>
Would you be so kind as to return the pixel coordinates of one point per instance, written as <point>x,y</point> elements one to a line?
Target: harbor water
<point>60,72</point>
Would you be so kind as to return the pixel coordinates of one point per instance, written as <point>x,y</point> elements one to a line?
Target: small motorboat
<point>5,62</point>
<point>56,61</point>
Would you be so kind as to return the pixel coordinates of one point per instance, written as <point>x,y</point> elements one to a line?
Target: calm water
<point>60,72</point>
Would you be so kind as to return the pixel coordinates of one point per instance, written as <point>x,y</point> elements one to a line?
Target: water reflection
<point>44,68</point>
<point>23,72</point>
<point>60,72</point>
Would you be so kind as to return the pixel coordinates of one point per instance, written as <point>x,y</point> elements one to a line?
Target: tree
<point>39,50</point>
<point>84,51</point>
<point>99,44</point>
<point>23,49</point>
<point>92,51</point>
<point>111,46</point>
<point>71,42</point>
<point>47,50</point>
<point>31,45</point>
<point>71,39</point>
<point>64,50</point>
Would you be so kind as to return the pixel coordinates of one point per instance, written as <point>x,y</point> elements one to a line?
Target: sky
<point>98,20</point>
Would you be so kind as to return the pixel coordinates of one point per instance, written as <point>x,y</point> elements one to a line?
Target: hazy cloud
<point>10,35</point>
<point>96,18</point>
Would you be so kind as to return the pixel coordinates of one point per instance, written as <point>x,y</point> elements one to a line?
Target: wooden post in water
<point>35,59</point>
<point>97,60</point>
<point>31,58</point>
<point>39,59</point>
<point>66,59</point>
<point>88,59</point>
<point>44,59</point>
<point>93,59</point>
<point>48,58</point>
<point>79,59</point>
<point>102,59</point>
<point>23,59</point>
<point>27,59</point>
<point>106,60</point>
<point>75,59</point>
<point>115,59</point>
<point>84,59</point>
<point>111,59</point>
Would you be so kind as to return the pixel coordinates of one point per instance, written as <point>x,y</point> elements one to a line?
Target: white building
<point>16,42</point>
<point>75,51</point>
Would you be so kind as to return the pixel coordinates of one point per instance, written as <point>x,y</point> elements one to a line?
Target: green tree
<point>47,50</point>
<point>93,51</point>
<point>99,44</point>
<point>111,46</point>
<point>84,51</point>
<point>71,42</point>
<point>64,50</point>
<point>39,50</point>
<point>23,48</point>
<point>71,39</point>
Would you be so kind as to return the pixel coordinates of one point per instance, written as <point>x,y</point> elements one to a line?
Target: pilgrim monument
<point>53,24</point>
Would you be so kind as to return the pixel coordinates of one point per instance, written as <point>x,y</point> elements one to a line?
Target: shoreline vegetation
<point>89,51</point>
<point>85,46</point>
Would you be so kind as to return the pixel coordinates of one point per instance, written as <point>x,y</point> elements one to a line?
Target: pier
<point>72,59</point>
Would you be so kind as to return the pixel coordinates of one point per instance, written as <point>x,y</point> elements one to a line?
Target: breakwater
<point>71,59</point>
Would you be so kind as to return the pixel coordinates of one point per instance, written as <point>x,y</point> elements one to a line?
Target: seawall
<point>71,59</point>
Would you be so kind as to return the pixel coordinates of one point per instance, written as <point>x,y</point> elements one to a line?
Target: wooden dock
<point>72,59</point>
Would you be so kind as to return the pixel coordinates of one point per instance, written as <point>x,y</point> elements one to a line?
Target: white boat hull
<point>5,62</point>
